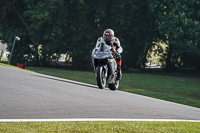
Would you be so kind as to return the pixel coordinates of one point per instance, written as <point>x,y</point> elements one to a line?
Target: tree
<point>179,24</point>
<point>12,23</point>
<point>133,23</point>
<point>58,26</point>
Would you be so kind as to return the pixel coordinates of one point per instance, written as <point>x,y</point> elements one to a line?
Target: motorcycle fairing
<point>103,52</point>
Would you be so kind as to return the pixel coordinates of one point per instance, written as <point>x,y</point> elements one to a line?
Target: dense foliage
<point>55,27</point>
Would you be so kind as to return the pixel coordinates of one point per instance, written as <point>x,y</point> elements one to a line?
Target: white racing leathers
<point>115,42</point>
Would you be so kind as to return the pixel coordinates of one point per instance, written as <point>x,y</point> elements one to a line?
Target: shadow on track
<point>68,81</point>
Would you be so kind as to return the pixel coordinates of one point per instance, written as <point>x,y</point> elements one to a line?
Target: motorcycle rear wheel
<point>101,80</point>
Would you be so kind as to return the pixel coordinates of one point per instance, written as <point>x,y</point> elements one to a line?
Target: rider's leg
<point>119,73</point>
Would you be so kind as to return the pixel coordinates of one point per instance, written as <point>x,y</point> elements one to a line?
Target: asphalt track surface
<point>29,95</point>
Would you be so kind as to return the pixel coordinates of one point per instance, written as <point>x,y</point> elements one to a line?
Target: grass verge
<point>101,127</point>
<point>179,89</point>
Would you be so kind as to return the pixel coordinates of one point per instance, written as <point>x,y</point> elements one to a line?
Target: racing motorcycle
<point>105,67</point>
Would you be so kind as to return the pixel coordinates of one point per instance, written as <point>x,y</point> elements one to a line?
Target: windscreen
<point>102,52</point>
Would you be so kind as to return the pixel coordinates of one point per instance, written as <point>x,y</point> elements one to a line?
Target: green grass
<point>179,89</point>
<point>4,59</point>
<point>101,127</point>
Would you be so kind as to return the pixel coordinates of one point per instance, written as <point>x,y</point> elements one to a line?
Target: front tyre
<point>101,80</point>
<point>114,86</point>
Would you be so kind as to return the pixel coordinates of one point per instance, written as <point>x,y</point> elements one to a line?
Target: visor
<point>107,38</point>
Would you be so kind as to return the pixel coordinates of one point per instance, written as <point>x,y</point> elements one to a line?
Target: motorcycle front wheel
<point>114,86</point>
<point>101,80</point>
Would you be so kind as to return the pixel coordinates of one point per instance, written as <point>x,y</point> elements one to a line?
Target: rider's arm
<point>119,48</point>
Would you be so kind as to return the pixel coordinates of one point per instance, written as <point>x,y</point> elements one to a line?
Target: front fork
<point>106,71</point>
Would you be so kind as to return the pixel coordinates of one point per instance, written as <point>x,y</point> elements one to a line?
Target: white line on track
<point>95,119</point>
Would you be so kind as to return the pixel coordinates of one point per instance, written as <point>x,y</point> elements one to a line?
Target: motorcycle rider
<point>111,40</point>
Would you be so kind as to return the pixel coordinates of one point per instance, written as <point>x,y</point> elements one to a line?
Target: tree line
<point>55,27</point>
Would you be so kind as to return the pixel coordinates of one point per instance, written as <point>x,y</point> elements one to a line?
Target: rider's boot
<point>119,73</point>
